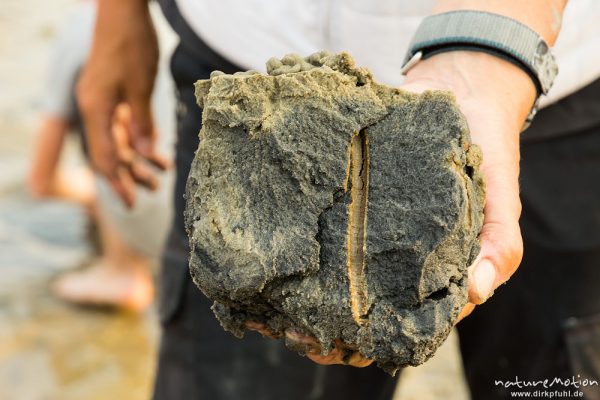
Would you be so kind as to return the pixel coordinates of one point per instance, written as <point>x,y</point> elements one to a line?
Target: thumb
<point>500,256</point>
<point>501,242</point>
<point>143,132</point>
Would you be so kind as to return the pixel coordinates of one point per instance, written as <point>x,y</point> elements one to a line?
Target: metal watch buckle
<point>418,56</point>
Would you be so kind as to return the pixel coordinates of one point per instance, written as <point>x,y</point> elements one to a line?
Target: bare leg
<point>75,184</point>
<point>120,277</point>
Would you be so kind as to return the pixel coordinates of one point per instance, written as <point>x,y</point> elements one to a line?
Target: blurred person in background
<point>520,332</point>
<point>129,242</point>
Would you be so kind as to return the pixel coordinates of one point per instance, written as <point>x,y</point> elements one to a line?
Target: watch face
<point>542,49</point>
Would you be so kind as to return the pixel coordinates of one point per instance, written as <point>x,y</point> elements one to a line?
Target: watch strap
<point>487,32</point>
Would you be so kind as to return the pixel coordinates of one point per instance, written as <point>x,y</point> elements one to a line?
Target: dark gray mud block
<point>324,202</point>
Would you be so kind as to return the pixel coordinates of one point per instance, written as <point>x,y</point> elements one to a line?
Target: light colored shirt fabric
<point>375,32</point>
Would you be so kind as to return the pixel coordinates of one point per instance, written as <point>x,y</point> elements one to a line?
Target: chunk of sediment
<point>322,201</point>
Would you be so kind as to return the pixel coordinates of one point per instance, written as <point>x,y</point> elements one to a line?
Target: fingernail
<point>485,276</point>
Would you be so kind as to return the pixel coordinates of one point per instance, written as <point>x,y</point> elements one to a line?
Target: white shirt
<point>375,32</point>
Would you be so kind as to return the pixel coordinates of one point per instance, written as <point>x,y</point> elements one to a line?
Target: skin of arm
<point>121,71</point>
<point>494,95</point>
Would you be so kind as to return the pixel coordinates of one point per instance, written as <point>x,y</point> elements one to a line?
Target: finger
<point>159,160</point>
<point>335,356</point>
<point>143,132</point>
<point>122,116</point>
<point>255,326</point>
<point>465,312</point>
<point>300,340</point>
<point>97,114</point>
<point>351,356</point>
<point>358,360</point>
<point>140,171</point>
<point>98,109</point>
<point>340,355</point>
<point>310,347</point>
<point>501,252</point>
<point>120,132</point>
<point>141,126</point>
<point>501,243</point>
<point>123,185</point>
<point>142,175</point>
<point>262,329</point>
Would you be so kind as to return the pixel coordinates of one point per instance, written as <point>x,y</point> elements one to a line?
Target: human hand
<point>495,97</point>
<point>340,354</point>
<point>114,96</point>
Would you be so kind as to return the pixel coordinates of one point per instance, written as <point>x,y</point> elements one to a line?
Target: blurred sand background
<point>48,349</point>
<point>51,350</point>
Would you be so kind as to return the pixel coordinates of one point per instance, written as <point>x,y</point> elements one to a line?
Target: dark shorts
<point>198,359</point>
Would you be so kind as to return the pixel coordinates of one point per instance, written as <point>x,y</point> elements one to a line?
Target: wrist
<point>121,14</point>
<point>124,3</point>
<point>121,25</point>
<point>482,79</point>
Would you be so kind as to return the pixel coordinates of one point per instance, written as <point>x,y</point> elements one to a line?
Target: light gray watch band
<point>487,32</point>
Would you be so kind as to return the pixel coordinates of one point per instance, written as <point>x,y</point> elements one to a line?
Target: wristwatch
<point>486,32</point>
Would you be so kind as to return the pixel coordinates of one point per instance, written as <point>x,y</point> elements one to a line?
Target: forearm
<point>501,86</point>
<point>111,12</point>
<point>543,16</point>
<point>119,25</point>
<point>120,72</point>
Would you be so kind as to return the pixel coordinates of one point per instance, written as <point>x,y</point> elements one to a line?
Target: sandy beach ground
<point>51,350</point>
<point>48,349</point>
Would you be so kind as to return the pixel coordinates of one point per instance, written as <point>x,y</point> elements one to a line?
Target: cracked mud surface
<point>322,201</point>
